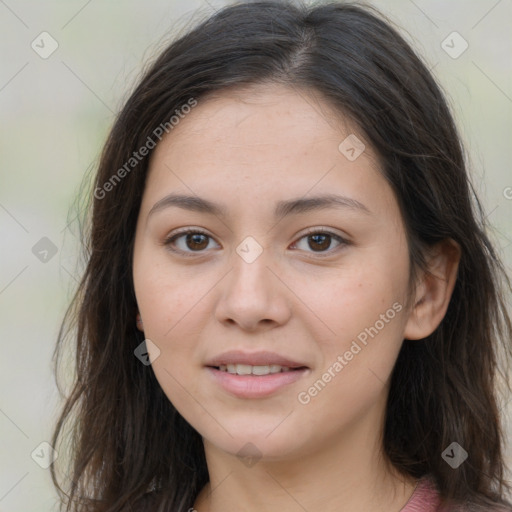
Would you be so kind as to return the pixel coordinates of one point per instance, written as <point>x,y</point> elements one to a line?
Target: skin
<point>248,149</point>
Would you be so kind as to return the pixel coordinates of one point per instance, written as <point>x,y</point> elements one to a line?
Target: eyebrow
<point>282,209</point>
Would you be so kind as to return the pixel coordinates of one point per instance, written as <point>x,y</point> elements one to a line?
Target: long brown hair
<point>125,436</point>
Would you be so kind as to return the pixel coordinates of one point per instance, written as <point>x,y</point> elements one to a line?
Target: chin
<point>256,440</point>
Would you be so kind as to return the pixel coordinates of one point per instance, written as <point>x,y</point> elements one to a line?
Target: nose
<point>253,295</point>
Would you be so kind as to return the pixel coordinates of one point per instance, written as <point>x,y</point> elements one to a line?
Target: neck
<point>347,473</point>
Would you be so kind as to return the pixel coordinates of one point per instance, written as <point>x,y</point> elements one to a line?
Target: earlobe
<point>434,291</point>
<point>138,321</point>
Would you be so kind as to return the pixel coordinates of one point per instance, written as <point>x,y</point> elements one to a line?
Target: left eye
<point>194,241</point>
<point>320,241</point>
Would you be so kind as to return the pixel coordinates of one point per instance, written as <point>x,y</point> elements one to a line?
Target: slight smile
<point>254,375</point>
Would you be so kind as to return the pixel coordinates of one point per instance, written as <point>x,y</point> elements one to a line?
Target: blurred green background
<point>56,110</point>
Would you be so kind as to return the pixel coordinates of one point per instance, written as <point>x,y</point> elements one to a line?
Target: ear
<point>138,321</point>
<point>433,290</point>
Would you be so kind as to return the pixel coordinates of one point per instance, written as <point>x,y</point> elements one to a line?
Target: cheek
<point>167,297</point>
<point>173,304</point>
<point>355,301</point>
<point>174,318</point>
<point>364,310</point>
<point>356,366</point>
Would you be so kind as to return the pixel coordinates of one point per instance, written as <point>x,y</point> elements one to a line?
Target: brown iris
<point>324,244</point>
<point>195,239</point>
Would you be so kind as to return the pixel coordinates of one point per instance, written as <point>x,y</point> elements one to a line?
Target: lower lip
<point>255,386</point>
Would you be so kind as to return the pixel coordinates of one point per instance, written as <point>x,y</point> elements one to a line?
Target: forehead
<point>252,115</point>
<point>270,142</point>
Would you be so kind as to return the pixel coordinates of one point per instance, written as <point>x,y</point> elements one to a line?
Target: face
<point>275,316</point>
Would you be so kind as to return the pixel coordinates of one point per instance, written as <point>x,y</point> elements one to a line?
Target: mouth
<point>254,375</point>
<point>244,363</point>
<point>256,370</point>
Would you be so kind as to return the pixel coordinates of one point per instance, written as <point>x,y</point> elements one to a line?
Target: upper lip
<point>253,359</point>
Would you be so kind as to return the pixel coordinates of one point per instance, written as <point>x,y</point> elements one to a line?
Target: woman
<point>290,301</point>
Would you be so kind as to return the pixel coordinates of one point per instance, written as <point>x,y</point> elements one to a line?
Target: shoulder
<point>426,498</point>
<point>478,508</point>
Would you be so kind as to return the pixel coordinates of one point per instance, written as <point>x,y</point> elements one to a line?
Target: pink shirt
<point>425,497</point>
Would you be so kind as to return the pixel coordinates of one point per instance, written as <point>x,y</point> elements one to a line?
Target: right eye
<point>188,241</point>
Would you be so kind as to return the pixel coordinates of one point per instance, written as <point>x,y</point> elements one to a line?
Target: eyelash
<point>312,231</point>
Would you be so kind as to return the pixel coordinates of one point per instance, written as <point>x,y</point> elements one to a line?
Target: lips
<point>247,369</point>
<point>235,357</point>
<point>255,375</point>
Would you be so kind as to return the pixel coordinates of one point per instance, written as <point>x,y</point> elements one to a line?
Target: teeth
<point>243,369</point>
<point>260,370</point>
<point>247,369</point>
